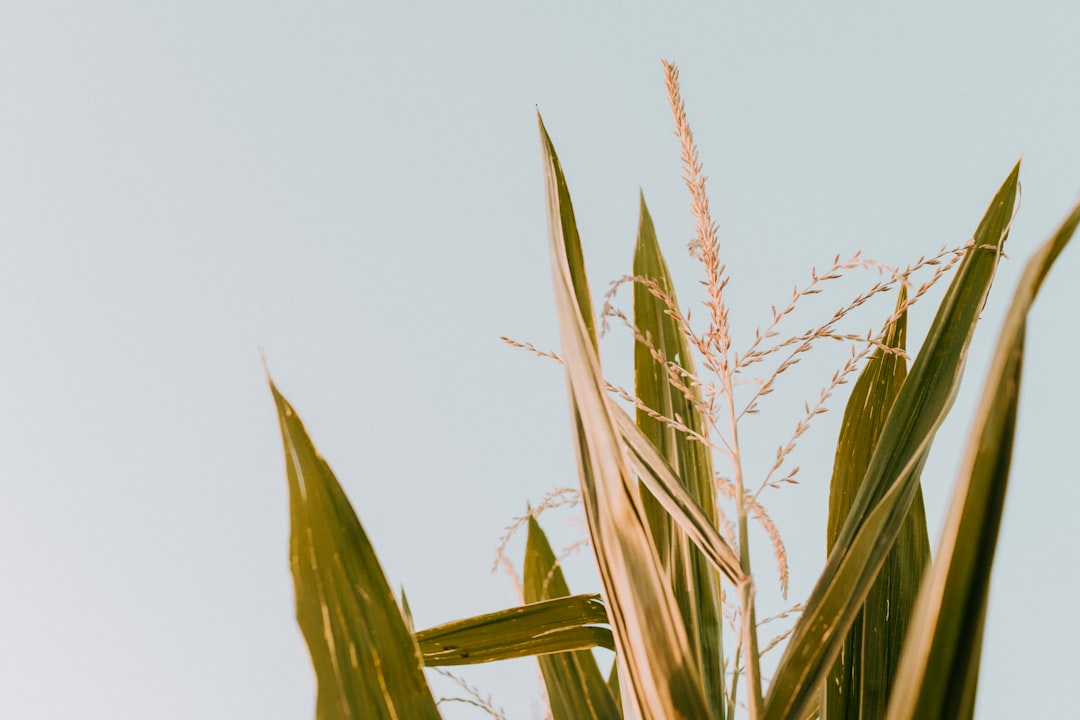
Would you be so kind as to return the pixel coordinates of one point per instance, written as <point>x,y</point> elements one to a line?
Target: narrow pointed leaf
<point>651,642</point>
<point>858,685</point>
<point>406,611</point>
<point>940,662</point>
<point>693,579</point>
<point>365,659</point>
<point>658,477</point>
<point>561,219</point>
<point>555,626</point>
<point>575,687</point>
<point>891,480</point>
<point>613,686</point>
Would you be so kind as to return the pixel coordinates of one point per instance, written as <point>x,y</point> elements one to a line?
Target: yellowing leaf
<point>365,659</point>
<point>661,673</point>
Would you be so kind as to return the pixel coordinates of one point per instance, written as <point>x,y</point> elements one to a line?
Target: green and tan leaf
<point>658,665</point>
<point>575,687</point>
<point>940,664</point>
<point>366,662</point>
<point>660,349</point>
<point>889,486</point>
<point>537,628</point>
<point>859,683</point>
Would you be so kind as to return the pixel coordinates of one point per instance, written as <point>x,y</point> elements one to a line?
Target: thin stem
<point>753,669</point>
<point>737,476</point>
<point>746,588</point>
<point>735,669</point>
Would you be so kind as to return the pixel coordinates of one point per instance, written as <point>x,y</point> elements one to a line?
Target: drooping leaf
<point>661,481</point>
<point>940,663</point>
<point>365,659</point>
<point>692,577</point>
<point>891,480</point>
<point>652,647</point>
<point>538,628</point>
<point>575,687</point>
<point>858,685</point>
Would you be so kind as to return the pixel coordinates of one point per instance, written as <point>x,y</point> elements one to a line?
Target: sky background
<point>357,190</point>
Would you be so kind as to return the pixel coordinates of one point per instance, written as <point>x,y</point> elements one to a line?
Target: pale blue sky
<point>358,191</point>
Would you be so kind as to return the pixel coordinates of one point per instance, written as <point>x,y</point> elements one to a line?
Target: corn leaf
<point>661,672</point>
<point>613,685</point>
<point>940,663</point>
<point>694,580</point>
<point>365,659</point>
<point>891,480</point>
<point>660,480</point>
<point>859,683</point>
<point>575,687</point>
<point>537,628</point>
<point>406,611</point>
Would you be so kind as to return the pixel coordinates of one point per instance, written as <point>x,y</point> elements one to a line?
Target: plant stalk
<point>746,587</point>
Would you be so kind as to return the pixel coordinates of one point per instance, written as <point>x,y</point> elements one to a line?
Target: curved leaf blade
<point>652,647</point>
<point>658,477</point>
<point>891,480</point>
<point>859,683</point>
<point>939,667</point>
<point>575,687</point>
<point>693,579</point>
<point>538,628</point>
<point>365,658</point>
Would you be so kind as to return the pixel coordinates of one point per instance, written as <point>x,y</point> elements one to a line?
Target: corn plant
<point>886,632</point>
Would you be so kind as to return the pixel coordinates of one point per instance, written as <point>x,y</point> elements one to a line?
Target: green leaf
<point>660,668</point>
<point>575,687</point>
<point>613,686</point>
<point>940,664</point>
<point>365,659</point>
<point>406,611</point>
<point>859,683</point>
<point>693,579</point>
<point>538,628</point>
<point>660,480</point>
<point>561,220</point>
<point>891,480</point>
